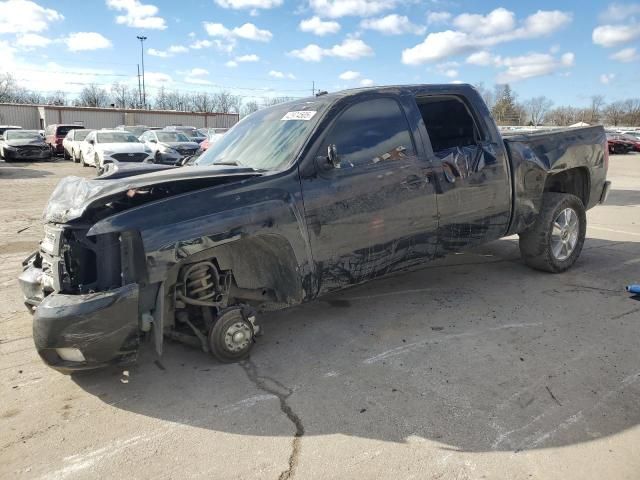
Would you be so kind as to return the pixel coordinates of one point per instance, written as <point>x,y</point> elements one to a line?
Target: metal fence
<point>37,117</point>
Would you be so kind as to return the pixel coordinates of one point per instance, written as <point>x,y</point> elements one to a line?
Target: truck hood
<point>74,195</point>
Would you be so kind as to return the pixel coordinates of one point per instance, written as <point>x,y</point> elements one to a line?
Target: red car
<point>617,144</point>
<point>54,135</point>
<point>632,139</point>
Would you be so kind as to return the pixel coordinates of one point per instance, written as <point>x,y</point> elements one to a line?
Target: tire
<point>555,250</point>
<point>65,155</point>
<point>221,336</point>
<point>82,160</point>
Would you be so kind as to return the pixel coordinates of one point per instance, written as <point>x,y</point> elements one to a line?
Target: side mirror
<point>332,156</point>
<point>92,142</point>
<point>153,140</point>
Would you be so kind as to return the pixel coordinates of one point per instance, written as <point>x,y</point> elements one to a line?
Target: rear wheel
<point>554,242</point>
<point>84,164</point>
<point>65,155</point>
<point>231,337</point>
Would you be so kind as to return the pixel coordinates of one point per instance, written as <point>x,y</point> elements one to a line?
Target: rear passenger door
<point>376,213</point>
<point>472,175</point>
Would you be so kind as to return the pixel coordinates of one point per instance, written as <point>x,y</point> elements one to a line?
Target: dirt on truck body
<point>295,201</point>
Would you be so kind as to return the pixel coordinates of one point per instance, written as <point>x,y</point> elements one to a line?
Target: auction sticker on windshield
<point>300,115</point>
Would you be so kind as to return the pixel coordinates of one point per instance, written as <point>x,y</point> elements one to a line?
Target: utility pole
<point>144,91</point>
<point>139,86</point>
<point>313,88</point>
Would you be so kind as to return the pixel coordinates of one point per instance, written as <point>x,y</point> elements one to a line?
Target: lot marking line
<point>612,230</point>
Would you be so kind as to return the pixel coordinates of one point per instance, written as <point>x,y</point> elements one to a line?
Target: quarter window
<point>371,132</point>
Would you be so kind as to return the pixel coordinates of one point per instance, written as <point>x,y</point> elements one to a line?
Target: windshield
<point>267,139</point>
<point>116,137</point>
<point>137,131</point>
<point>172,137</point>
<point>23,135</point>
<point>80,135</point>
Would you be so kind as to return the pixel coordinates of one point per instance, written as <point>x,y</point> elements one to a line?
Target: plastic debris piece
<point>125,376</point>
<point>633,289</point>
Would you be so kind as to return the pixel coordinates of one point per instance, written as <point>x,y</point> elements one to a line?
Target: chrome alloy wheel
<point>564,236</point>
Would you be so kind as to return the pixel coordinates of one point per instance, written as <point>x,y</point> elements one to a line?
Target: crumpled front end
<point>86,312</point>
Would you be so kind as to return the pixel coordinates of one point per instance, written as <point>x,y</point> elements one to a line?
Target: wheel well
<point>574,181</point>
<point>264,262</point>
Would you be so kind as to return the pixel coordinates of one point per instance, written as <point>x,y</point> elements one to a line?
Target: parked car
<point>192,132</point>
<point>71,143</point>
<point>137,130</point>
<point>168,148</point>
<point>213,135</point>
<point>16,144</point>
<point>101,147</point>
<point>297,200</point>
<point>4,128</point>
<point>617,144</point>
<point>633,140</point>
<point>54,136</point>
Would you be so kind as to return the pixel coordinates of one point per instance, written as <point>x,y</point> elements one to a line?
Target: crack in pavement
<point>273,387</point>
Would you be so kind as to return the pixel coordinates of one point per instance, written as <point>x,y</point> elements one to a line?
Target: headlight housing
<point>166,149</point>
<point>10,148</point>
<point>107,152</point>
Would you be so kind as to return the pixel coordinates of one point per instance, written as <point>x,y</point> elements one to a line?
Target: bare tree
<point>93,96</point>
<point>123,96</point>
<point>162,102</point>
<point>614,112</point>
<point>250,107</point>
<point>202,102</point>
<point>225,102</point>
<point>270,101</point>
<point>537,109</point>
<point>486,94</point>
<point>7,88</point>
<point>57,98</point>
<point>595,111</point>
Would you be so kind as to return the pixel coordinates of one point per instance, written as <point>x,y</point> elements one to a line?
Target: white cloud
<point>533,65</point>
<point>451,73</point>
<point>231,64</point>
<point>247,31</point>
<point>476,32</point>
<point>277,74</point>
<point>157,79</point>
<point>169,52</point>
<point>198,72</point>
<point>86,41</point>
<point>626,55</point>
<point>498,21</point>
<point>438,17</point>
<point>199,44</point>
<point>607,78</point>
<point>344,8</point>
<point>392,25</point>
<point>350,48</point>
<point>366,82</point>
<point>23,16</point>
<point>247,4</point>
<point>247,58</point>
<point>349,75</point>
<point>137,14</point>
<point>30,41</point>
<point>614,35</point>
<point>619,12</point>
<point>319,27</point>
<point>482,58</point>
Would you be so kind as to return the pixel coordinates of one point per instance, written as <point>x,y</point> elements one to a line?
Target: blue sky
<point>260,48</point>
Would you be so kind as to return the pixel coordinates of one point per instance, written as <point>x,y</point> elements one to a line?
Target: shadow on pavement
<point>17,170</point>
<point>487,355</point>
<point>623,198</point>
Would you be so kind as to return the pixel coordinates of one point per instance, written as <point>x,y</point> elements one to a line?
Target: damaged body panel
<point>295,201</point>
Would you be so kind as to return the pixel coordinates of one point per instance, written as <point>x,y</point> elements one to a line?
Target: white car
<point>169,147</point>
<point>101,147</point>
<point>71,143</point>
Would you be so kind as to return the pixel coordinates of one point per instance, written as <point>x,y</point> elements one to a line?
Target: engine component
<point>201,285</point>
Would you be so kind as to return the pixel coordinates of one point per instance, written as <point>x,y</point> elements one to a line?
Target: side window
<point>370,132</point>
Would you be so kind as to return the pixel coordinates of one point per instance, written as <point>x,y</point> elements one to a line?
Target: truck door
<point>472,176</point>
<point>375,212</point>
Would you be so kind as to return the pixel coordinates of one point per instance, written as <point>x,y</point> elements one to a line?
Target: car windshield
<point>23,135</point>
<point>137,131</point>
<point>172,137</point>
<point>80,135</point>
<point>267,139</point>
<point>116,137</point>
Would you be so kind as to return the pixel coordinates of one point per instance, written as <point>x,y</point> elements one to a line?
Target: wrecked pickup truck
<point>295,201</point>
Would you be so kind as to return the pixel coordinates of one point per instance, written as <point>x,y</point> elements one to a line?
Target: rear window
<point>63,130</point>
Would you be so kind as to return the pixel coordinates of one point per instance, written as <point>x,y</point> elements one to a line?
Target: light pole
<point>144,92</point>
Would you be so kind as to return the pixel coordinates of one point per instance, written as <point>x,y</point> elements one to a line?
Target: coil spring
<point>201,282</point>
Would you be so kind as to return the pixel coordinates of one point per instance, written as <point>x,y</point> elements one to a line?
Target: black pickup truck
<point>295,201</point>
